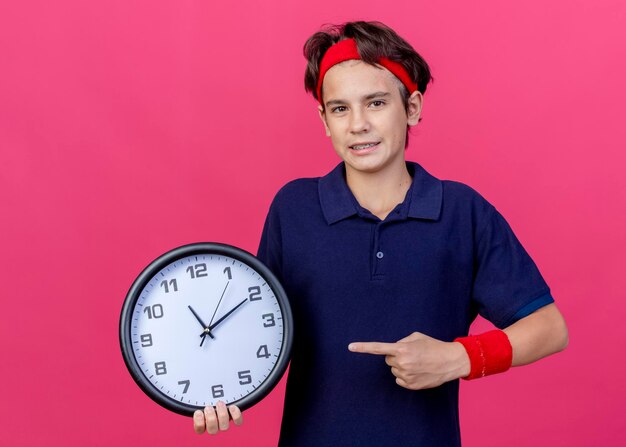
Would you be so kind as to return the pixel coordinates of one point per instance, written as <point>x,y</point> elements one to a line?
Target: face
<point>365,116</point>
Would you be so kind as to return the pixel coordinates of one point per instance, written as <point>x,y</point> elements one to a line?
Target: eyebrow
<point>333,102</point>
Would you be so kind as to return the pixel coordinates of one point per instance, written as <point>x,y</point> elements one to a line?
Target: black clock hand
<point>218,303</point>
<point>226,315</point>
<point>203,335</point>
<point>201,322</point>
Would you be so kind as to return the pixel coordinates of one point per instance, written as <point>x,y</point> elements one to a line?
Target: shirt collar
<point>338,202</point>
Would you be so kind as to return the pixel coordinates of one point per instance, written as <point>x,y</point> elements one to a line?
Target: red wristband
<point>489,353</point>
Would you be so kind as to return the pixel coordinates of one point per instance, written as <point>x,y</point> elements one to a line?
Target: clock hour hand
<point>206,328</point>
<point>226,315</point>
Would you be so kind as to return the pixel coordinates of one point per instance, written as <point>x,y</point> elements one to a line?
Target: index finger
<point>377,348</point>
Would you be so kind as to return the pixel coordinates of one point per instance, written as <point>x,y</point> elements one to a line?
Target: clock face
<point>203,323</point>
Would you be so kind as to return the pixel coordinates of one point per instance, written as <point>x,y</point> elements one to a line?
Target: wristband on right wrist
<point>489,353</point>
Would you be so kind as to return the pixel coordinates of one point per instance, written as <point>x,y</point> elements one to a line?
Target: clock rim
<point>157,265</point>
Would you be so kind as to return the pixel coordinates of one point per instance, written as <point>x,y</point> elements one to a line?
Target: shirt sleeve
<point>270,247</point>
<point>507,284</point>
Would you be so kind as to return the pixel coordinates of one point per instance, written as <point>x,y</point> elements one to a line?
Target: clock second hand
<point>218,304</point>
<point>207,329</point>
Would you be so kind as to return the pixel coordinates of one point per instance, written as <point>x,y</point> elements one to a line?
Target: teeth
<point>363,146</point>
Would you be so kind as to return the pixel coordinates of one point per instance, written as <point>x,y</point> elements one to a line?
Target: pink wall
<point>129,128</point>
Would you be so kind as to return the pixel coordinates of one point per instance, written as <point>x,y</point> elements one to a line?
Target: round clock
<point>206,322</point>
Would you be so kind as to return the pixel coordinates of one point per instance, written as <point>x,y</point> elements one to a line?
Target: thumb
<point>413,337</point>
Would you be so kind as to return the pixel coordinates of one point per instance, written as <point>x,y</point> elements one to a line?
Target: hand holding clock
<point>217,419</point>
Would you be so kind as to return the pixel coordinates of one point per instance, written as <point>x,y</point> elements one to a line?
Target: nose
<point>358,121</point>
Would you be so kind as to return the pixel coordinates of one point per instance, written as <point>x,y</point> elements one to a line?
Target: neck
<point>380,192</point>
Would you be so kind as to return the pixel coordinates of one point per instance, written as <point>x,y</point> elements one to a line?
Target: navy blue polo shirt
<point>441,257</point>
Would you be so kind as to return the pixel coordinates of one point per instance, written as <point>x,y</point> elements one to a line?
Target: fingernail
<point>351,347</point>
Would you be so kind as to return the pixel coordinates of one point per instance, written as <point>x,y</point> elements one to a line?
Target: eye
<point>377,103</point>
<point>338,109</point>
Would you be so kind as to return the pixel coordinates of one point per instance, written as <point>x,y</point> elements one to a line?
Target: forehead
<point>354,78</point>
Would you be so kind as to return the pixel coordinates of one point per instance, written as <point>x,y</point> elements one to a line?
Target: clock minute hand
<point>226,315</point>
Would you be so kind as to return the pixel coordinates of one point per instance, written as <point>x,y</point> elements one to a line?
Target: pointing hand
<point>419,361</point>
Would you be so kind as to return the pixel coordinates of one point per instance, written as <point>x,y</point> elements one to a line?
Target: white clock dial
<point>206,327</point>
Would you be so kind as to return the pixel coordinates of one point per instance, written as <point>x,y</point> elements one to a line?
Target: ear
<point>415,108</point>
<point>320,109</point>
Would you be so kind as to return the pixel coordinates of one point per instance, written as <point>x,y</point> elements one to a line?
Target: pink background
<point>130,127</point>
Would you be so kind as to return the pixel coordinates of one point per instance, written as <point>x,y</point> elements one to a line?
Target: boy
<point>386,266</point>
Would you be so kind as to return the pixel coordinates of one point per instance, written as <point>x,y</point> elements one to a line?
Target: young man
<point>386,267</point>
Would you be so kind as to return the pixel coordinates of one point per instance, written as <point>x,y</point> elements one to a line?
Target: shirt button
<point>380,255</point>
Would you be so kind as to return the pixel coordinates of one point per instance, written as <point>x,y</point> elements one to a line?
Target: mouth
<point>364,146</point>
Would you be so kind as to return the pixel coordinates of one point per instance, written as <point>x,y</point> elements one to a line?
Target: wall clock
<point>206,322</point>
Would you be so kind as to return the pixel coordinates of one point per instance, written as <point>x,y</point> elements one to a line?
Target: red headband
<point>346,50</point>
